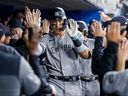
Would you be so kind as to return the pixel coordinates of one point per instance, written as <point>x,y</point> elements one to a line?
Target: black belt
<point>89,78</point>
<point>65,78</point>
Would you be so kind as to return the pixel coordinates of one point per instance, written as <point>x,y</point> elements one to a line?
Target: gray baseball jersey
<point>61,56</point>
<point>91,88</point>
<point>62,60</point>
<point>116,82</point>
<point>86,63</point>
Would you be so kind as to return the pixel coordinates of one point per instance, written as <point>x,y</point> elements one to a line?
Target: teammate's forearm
<point>120,65</point>
<point>81,49</point>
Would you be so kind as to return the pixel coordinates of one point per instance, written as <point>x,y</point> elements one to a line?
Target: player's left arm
<point>83,50</point>
<point>73,32</point>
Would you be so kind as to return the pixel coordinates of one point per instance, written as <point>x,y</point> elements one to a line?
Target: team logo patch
<point>56,13</point>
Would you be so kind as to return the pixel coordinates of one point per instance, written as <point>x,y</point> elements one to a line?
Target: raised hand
<point>37,16</point>
<point>97,29</point>
<point>113,32</point>
<point>104,17</point>
<point>32,18</point>
<point>122,55</point>
<point>72,29</point>
<point>45,27</point>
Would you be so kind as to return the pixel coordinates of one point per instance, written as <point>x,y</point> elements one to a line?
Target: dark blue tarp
<point>86,16</point>
<point>76,14</point>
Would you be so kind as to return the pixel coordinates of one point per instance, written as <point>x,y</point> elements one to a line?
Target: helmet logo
<point>56,13</point>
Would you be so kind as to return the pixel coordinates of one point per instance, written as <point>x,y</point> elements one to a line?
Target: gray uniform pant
<point>90,88</point>
<point>67,88</point>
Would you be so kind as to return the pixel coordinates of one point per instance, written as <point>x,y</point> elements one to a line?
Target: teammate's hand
<point>104,17</point>
<point>32,18</point>
<point>45,27</point>
<point>97,29</point>
<point>123,49</point>
<point>113,32</point>
<point>37,16</point>
<point>72,29</point>
<point>122,55</point>
<point>29,21</point>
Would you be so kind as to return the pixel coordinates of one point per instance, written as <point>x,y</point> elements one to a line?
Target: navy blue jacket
<point>103,60</point>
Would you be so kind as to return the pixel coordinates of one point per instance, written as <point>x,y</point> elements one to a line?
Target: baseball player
<point>62,48</point>
<point>17,75</point>
<point>115,82</point>
<point>90,84</point>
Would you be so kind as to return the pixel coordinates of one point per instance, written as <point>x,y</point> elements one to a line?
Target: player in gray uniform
<point>116,83</point>
<point>62,48</point>
<point>90,84</point>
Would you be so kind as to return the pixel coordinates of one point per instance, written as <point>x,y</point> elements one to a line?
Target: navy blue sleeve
<point>35,63</point>
<point>97,54</point>
<point>9,49</point>
<point>108,61</point>
<point>103,60</point>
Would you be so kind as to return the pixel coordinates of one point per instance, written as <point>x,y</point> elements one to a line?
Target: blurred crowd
<point>112,8</point>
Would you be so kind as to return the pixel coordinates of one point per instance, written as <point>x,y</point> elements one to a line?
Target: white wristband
<point>81,48</point>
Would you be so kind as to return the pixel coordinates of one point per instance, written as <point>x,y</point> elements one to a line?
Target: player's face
<point>56,25</point>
